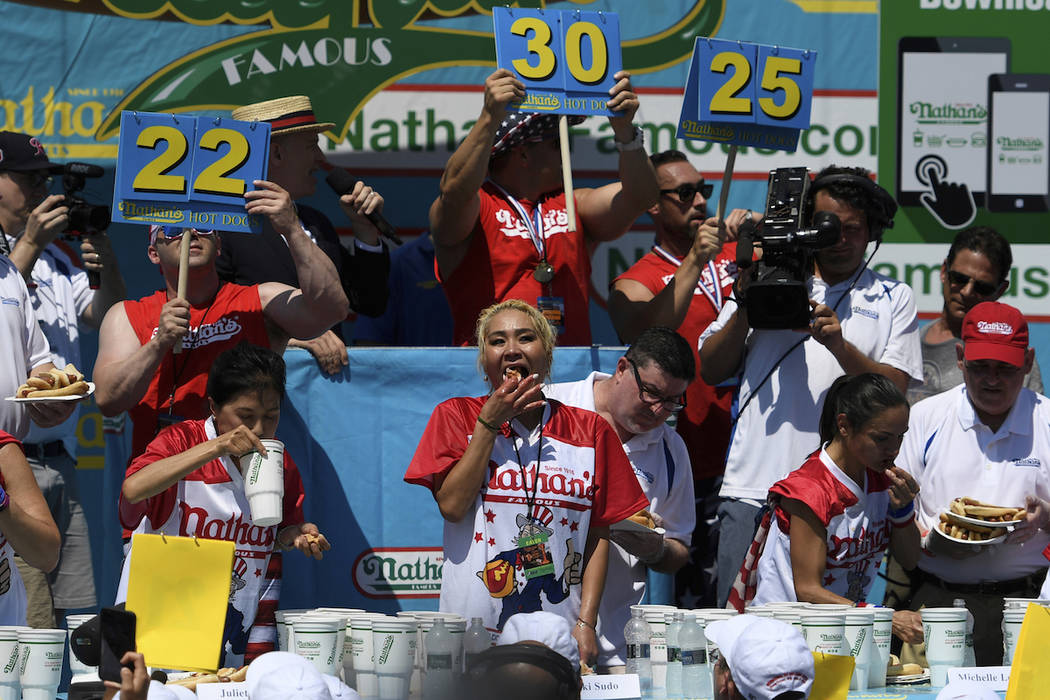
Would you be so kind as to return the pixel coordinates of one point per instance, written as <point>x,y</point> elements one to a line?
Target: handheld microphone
<point>85,169</point>
<point>342,183</point>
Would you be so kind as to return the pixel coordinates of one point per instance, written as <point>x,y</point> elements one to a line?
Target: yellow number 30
<point>539,45</point>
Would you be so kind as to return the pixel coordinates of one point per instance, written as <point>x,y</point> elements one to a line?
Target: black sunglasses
<point>687,192</point>
<point>648,396</point>
<point>984,289</point>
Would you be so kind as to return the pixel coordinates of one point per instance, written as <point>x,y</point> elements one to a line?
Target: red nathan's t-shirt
<point>235,315</point>
<point>705,423</point>
<point>501,258</point>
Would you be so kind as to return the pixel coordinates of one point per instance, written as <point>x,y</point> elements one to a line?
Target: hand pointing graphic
<point>951,203</point>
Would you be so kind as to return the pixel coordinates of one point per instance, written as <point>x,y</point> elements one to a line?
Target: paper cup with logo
<point>859,630</point>
<point>882,634</point>
<point>10,688</point>
<point>1012,619</point>
<point>80,670</point>
<point>364,681</point>
<point>284,619</point>
<point>340,643</point>
<point>264,483</point>
<point>348,655</point>
<point>1022,603</point>
<point>394,653</point>
<point>40,666</point>
<point>824,632</point>
<point>945,632</point>
<point>317,640</point>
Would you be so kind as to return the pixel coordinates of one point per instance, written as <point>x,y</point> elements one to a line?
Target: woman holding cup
<point>833,518</point>
<point>527,487</point>
<point>189,482</point>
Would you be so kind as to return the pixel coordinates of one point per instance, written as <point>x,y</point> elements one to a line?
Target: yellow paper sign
<point>1029,673</point>
<point>831,676</point>
<point>178,588</point>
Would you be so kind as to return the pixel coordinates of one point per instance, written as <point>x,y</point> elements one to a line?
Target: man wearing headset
<point>861,321</point>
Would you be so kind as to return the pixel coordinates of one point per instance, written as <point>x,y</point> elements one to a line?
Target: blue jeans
<point>737,525</point>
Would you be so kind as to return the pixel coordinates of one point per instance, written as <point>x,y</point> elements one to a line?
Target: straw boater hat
<point>286,115</point>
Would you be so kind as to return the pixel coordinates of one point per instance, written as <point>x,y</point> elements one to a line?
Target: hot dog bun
<point>54,382</point>
<point>78,389</point>
<point>644,517</point>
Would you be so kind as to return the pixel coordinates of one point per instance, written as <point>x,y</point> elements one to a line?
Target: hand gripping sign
<point>567,60</point>
<point>745,94</point>
<point>190,171</point>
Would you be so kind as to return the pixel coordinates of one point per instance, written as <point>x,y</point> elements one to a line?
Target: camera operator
<point>62,297</point>
<point>860,321</point>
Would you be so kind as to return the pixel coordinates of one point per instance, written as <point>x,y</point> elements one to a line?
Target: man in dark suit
<point>253,259</point>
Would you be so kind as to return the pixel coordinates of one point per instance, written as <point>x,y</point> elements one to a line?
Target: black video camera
<point>777,297</point>
<point>84,217</point>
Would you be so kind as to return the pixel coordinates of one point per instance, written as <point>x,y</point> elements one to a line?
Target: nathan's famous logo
<point>1022,143</point>
<point>342,53</point>
<point>399,572</point>
<point>708,131</point>
<point>948,113</point>
<point>149,213</point>
<point>539,102</point>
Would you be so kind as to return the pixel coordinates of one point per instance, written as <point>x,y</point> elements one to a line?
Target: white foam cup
<point>40,665</point>
<point>1012,619</point>
<point>347,655</point>
<point>364,681</point>
<point>264,482</point>
<point>1022,603</point>
<point>882,635</point>
<point>654,615</point>
<point>316,639</point>
<point>859,632</point>
<point>788,615</point>
<point>824,632</point>
<point>945,632</point>
<point>340,643</point>
<point>10,688</point>
<point>78,668</point>
<point>393,653</point>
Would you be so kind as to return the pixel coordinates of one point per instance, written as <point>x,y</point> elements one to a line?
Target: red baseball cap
<point>994,331</point>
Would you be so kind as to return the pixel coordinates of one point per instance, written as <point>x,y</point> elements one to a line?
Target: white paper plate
<point>945,535</point>
<point>910,679</point>
<point>55,399</point>
<point>983,523</point>
<point>631,526</point>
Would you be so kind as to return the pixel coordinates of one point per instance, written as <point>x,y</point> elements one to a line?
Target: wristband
<point>635,144</point>
<point>5,500</point>
<point>583,624</point>
<point>903,515</point>
<point>488,425</point>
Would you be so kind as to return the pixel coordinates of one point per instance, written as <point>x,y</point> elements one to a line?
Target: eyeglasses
<point>649,396</point>
<point>174,233</point>
<point>687,192</point>
<point>984,289</point>
<point>30,179</point>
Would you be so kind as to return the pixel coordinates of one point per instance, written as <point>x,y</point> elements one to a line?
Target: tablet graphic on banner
<point>566,59</point>
<point>399,572</point>
<point>190,171</point>
<point>747,94</point>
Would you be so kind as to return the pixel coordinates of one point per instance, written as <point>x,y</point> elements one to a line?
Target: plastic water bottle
<point>476,640</point>
<point>674,655</point>
<point>439,680</point>
<point>636,635</point>
<point>969,660</point>
<point>696,676</point>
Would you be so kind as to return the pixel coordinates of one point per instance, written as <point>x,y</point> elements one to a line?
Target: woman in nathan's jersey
<point>188,482</point>
<point>527,487</point>
<point>834,517</point>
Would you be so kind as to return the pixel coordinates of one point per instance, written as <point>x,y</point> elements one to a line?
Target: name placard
<point>996,678</point>
<point>613,687</point>
<point>222,691</point>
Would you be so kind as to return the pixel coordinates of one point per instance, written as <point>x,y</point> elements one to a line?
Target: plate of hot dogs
<point>67,384</point>
<point>970,511</point>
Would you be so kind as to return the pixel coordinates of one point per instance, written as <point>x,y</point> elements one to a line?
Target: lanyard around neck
<point>714,292</point>
<point>534,224</point>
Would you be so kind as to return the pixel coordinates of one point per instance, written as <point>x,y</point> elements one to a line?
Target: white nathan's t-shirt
<point>858,530</point>
<point>22,347</point>
<point>584,480</point>
<point>661,464</point>
<point>777,429</point>
<point>209,503</point>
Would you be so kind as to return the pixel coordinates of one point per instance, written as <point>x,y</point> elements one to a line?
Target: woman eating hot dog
<point>527,487</point>
<point>188,483</point>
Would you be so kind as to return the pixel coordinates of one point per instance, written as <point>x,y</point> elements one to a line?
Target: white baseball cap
<point>280,675</point>
<point>961,690</point>
<point>767,657</point>
<point>544,627</point>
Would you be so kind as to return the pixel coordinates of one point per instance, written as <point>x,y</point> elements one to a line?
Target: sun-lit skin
<point>993,386</point>
<point>836,263</point>
<point>259,411</point>
<point>294,158</point>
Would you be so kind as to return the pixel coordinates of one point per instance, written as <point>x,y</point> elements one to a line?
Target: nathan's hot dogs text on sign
<point>68,381</point>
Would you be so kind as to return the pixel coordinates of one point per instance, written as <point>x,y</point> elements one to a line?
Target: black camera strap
<point>804,338</point>
<point>5,249</point>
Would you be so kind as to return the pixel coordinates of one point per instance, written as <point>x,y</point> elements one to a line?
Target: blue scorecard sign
<point>179,169</point>
<point>747,94</point>
<point>566,58</point>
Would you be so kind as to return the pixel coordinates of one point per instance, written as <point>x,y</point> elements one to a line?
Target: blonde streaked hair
<point>540,324</point>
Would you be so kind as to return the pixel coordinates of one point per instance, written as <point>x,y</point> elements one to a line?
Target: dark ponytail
<point>861,398</point>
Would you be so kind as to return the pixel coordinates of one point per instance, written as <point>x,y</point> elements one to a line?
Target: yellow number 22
<point>154,175</point>
<point>213,179</point>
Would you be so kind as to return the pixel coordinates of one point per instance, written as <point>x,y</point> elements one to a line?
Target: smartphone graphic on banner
<point>1018,129</point>
<point>942,111</point>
